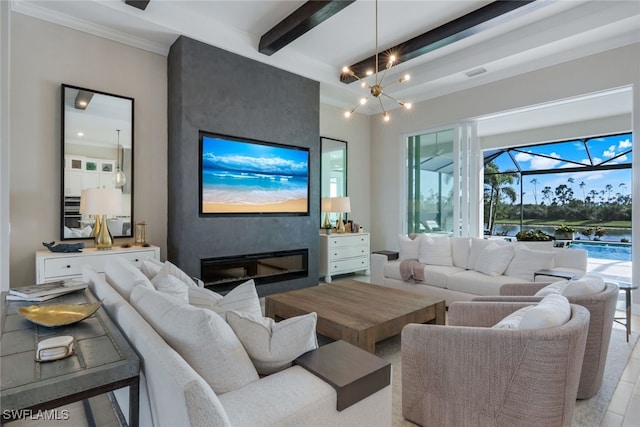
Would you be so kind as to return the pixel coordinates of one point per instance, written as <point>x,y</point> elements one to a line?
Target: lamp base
<point>340,227</point>
<point>104,241</point>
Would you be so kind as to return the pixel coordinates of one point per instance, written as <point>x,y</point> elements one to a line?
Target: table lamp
<point>102,202</point>
<point>341,205</point>
<point>325,206</point>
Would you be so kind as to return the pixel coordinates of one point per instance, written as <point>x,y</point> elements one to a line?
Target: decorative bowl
<point>58,314</point>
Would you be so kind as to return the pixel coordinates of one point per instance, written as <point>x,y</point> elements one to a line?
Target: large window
<point>430,182</point>
<point>584,182</point>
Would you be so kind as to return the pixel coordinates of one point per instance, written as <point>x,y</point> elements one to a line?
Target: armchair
<point>470,374</point>
<point>601,306</point>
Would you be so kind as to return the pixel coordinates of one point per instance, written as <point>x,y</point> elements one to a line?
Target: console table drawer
<point>348,240</point>
<point>349,265</point>
<point>51,266</point>
<point>347,252</point>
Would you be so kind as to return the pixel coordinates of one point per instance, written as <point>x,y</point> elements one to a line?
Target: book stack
<point>45,291</point>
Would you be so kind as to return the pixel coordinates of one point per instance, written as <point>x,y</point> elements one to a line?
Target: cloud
<point>623,145</point>
<point>523,157</point>
<point>538,162</point>
<point>609,152</point>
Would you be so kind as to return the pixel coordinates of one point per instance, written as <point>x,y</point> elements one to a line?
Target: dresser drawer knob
<point>68,266</point>
<point>137,260</point>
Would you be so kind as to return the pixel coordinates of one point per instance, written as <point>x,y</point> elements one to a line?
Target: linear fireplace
<point>224,273</point>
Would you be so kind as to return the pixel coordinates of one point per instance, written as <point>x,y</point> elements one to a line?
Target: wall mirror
<point>97,152</point>
<point>333,174</point>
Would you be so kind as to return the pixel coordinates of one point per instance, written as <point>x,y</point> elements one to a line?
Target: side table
<point>627,288</point>
<point>102,361</point>
<point>352,371</point>
<point>554,273</point>
<point>391,255</point>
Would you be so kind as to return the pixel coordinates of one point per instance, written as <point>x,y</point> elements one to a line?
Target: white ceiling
<point>554,32</point>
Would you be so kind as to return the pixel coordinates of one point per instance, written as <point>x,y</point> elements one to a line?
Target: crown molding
<point>35,11</point>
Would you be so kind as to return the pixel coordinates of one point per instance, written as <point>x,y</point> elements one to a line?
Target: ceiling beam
<point>140,4</point>
<point>299,22</point>
<point>472,23</point>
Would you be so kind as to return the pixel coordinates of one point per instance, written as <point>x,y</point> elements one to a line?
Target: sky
<point>577,153</point>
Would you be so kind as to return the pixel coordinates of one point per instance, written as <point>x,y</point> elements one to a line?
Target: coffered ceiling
<point>542,34</point>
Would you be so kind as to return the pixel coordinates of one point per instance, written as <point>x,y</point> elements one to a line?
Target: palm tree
<point>546,194</point>
<point>608,188</point>
<point>497,187</point>
<point>582,185</point>
<point>534,181</point>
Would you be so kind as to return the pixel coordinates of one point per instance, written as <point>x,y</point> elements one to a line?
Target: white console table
<point>52,266</point>
<point>343,253</point>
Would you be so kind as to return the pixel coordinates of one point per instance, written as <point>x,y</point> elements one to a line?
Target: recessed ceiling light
<point>80,133</point>
<point>475,72</point>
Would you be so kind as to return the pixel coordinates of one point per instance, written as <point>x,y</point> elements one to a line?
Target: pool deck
<point>610,269</point>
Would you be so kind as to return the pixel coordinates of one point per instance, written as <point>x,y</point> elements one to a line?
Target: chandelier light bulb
<point>369,72</point>
<point>407,77</point>
<point>363,101</point>
<point>392,59</point>
<point>347,114</point>
<point>385,116</point>
<point>407,105</point>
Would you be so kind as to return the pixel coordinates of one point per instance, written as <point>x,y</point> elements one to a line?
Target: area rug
<point>588,413</point>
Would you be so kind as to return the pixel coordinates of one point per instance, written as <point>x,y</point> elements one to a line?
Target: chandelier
<point>119,178</point>
<point>377,90</point>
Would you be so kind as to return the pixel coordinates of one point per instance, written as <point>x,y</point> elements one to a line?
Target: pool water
<point>618,252</point>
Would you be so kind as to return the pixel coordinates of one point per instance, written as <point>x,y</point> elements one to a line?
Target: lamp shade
<point>325,204</point>
<point>341,204</point>
<point>101,201</point>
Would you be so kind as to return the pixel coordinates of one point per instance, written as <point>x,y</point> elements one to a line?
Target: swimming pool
<point>605,250</point>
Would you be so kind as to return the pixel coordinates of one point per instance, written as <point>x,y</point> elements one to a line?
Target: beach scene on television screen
<point>248,177</point>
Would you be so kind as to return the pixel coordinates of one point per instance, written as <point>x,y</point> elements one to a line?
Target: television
<point>244,176</point>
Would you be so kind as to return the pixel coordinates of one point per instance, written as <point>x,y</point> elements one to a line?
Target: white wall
<point>612,69</point>
<point>356,131</point>
<point>43,56</point>
<point>5,26</point>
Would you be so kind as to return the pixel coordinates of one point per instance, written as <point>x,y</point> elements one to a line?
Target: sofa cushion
<point>460,247</point>
<point>173,270</point>
<point>435,251</point>
<point>527,261</point>
<point>203,297</point>
<point>200,336</point>
<point>513,320</point>
<point>151,267</point>
<point>586,285</point>
<point>124,276</point>
<point>554,310</point>
<point>171,286</point>
<point>477,247</point>
<point>243,298</point>
<point>273,346</point>
<point>434,275</point>
<point>472,282</point>
<point>494,259</point>
<point>409,248</point>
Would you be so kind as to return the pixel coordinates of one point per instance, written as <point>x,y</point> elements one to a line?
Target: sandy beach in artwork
<point>292,205</point>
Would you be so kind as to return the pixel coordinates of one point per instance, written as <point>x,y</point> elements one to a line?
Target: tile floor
<point>624,408</point>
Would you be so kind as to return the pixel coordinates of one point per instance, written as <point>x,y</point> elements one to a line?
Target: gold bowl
<point>58,314</point>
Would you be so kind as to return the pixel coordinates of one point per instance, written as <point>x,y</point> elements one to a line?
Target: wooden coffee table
<point>356,312</point>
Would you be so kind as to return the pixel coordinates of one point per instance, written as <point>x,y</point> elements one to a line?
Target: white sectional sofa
<point>461,268</point>
<point>173,393</point>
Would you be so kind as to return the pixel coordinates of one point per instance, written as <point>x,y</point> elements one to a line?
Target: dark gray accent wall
<point>217,91</point>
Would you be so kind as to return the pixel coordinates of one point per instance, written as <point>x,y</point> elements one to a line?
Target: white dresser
<point>52,266</point>
<point>343,253</point>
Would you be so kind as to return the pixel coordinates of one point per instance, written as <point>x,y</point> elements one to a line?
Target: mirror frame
<point>325,143</point>
<point>121,141</point>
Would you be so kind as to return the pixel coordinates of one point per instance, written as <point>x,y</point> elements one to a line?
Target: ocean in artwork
<point>250,177</point>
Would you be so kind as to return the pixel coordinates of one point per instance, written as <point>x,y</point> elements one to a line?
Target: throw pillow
<point>204,298</point>
<point>243,298</point>
<point>123,276</point>
<point>587,285</point>
<point>201,337</point>
<point>477,246</point>
<point>273,346</point>
<point>554,288</point>
<point>151,267</point>
<point>554,310</point>
<point>409,248</point>
<point>171,286</point>
<point>435,251</point>
<point>460,247</point>
<point>513,320</point>
<point>527,261</point>
<point>173,270</point>
<point>494,259</point>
